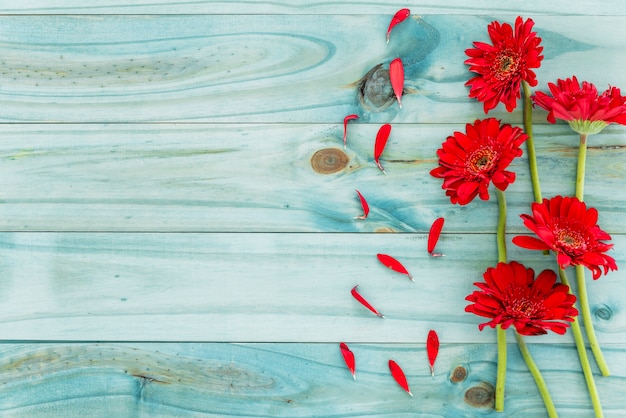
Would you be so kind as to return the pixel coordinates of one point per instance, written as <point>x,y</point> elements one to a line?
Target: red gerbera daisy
<point>511,295</point>
<point>566,226</point>
<point>469,162</point>
<point>501,67</point>
<point>586,111</point>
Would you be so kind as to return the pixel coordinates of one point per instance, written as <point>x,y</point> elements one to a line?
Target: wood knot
<point>603,312</point>
<point>375,91</point>
<point>481,395</point>
<point>329,160</point>
<point>458,375</point>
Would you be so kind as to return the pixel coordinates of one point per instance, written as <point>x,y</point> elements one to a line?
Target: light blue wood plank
<point>534,7</point>
<point>259,287</point>
<point>266,68</point>
<point>295,380</point>
<point>245,178</point>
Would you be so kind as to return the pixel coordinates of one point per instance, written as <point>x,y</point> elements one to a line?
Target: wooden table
<point>177,210</point>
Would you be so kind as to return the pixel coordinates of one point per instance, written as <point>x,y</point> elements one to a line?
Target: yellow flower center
<point>506,64</point>
<point>570,240</point>
<point>482,160</point>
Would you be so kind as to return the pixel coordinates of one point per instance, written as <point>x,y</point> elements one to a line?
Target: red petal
<point>530,243</point>
<point>364,302</point>
<point>345,127</point>
<point>399,376</point>
<point>393,264</point>
<point>348,357</point>
<point>366,207</point>
<point>432,348</point>
<point>400,16</point>
<point>381,141</point>
<point>396,76</point>
<point>433,235</point>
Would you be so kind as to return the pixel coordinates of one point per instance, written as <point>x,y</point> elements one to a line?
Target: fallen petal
<point>399,376</point>
<point>396,77</point>
<point>400,16</point>
<point>348,357</point>
<point>393,264</point>
<point>345,127</point>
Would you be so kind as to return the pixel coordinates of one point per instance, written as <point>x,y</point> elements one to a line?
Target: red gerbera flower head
<point>511,295</point>
<point>502,66</point>
<point>469,161</point>
<point>586,111</point>
<point>566,226</point>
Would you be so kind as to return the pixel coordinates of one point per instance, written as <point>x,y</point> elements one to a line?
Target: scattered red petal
<point>366,207</point>
<point>379,145</point>
<point>433,236</point>
<point>400,16</point>
<point>399,376</point>
<point>432,348</point>
<point>396,76</point>
<point>393,264</point>
<point>348,357</point>
<point>345,127</point>
<point>364,302</point>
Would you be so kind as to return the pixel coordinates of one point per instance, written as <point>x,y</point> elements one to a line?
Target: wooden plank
<point>296,380</point>
<point>260,178</point>
<point>266,68</point>
<point>528,7</point>
<point>258,287</point>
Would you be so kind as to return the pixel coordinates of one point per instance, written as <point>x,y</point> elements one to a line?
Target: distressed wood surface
<point>268,68</point>
<point>534,7</point>
<point>291,380</point>
<point>270,178</point>
<point>158,193</point>
<point>257,287</point>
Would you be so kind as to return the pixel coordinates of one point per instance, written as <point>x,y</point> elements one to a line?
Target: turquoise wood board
<point>269,68</point>
<point>177,232</point>
<point>272,178</point>
<point>258,287</point>
<point>289,380</point>
<point>291,7</point>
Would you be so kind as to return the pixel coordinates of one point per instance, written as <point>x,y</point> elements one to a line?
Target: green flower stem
<point>582,355</point>
<point>501,368</point>
<point>580,169</point>
<point>500,232</point>
<point>501,333</point>
<point>580,272</point>
<point>530,142</point>
<point>586,315</point>
<point>534,370</point>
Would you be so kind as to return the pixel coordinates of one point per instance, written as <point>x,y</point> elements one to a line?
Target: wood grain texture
<point>295,380</point>
<point>268,68</point>
<point>535,7</point>
<point>263,178</point>
<point>258,287</point>
<point>172,183</point>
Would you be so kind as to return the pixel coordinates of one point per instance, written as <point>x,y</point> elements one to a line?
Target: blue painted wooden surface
<point>177,233</point>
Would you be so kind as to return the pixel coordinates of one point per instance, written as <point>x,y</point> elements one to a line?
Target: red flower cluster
<point>511,295</point>
<point>501,67</point>
<point>586,111</point>
<point>469,162</point>
<point>566,226</point>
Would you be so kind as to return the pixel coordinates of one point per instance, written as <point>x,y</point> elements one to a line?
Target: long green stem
<point>501,333</point>
<point>580,169</point>
<point>501,230</point>
<point>586,315</point>
<point>534,371</point>
<point>501,368</point>
<point>530,142</point>
<point>580,272</point>
<point>582,355</point>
